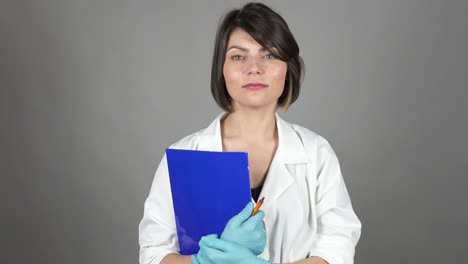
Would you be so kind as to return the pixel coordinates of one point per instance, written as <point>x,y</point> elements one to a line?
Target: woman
<point>308,217</point>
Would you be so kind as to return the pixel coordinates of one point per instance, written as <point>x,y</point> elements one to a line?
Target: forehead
<point>239,36</point>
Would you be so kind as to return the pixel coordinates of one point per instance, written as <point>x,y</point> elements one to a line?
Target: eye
<point>269,56</point>
<point>236,57</point>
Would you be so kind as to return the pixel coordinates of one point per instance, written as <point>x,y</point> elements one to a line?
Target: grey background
<point>93,91</point>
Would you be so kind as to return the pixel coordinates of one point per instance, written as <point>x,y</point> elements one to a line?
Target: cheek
<point>279,75</point>
<point>281,72</point>
<point>279,78</point>
<point>230,73</point>
<point>226,73</point>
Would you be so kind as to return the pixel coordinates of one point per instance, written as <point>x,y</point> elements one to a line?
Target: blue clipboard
<point>208,188</point>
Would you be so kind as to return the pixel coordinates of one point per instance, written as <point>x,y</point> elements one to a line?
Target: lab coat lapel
<point>290,152</point>
<point>210,138</point>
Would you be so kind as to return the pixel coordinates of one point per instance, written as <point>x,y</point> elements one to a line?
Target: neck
<point>250,125</point>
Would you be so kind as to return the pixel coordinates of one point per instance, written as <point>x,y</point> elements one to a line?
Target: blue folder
<point>208,188</point>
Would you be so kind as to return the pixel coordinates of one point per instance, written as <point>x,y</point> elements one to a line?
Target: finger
<point>201,256</point>
<point>207,254</point>
<point>211,253</point>
<point>204,245</point>
<point>254,220</point>
<point>195,260</point>
<point>218,244</point>
<point>258,217</point>
<point>243,215</point>
<point>210,235</point>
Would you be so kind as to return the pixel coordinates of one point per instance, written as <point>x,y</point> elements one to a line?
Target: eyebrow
<point>243,49</point>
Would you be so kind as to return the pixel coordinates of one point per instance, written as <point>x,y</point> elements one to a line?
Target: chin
<point>256,105</point>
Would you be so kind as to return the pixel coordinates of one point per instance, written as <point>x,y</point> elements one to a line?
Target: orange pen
<point>257,207</point>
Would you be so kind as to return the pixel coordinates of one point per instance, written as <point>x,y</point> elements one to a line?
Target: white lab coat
<point>307,208</point>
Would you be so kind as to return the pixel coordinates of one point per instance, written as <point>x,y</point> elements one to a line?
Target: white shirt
<point>308,211</point>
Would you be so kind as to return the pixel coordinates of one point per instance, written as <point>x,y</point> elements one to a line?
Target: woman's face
<point>248,63</point>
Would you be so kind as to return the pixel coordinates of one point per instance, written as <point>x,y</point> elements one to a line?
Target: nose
<point>254,67</point>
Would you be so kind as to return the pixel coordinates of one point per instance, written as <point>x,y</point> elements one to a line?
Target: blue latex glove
<point>214,251</point>
<point>247,231</point>
<point>194,257</point>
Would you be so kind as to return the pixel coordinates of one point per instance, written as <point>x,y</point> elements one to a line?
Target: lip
<point>255,86</point>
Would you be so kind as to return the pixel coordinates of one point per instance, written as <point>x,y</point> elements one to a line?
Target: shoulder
<point>188,142</point>
<point>205,139</point>
<point>314,144</point>
<point>308,137</point>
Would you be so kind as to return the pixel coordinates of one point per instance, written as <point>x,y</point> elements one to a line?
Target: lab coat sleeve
<point>338,227</point>
<point>157,231</point>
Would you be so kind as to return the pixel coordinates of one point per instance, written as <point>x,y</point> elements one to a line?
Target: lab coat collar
<point>290,148</point>
<point>289,153</point>
<point>210,137</point>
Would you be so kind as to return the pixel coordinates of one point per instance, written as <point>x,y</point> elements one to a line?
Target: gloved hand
<point>214,251</point>
<point>247,231</point>
<point>195,257</point>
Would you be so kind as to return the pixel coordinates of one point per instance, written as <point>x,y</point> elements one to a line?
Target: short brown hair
<point>270,30</point>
